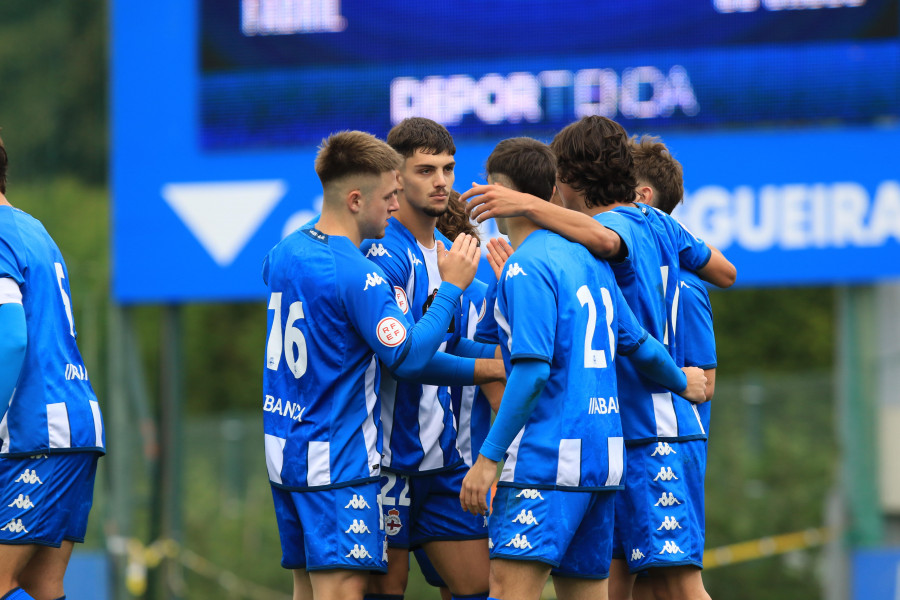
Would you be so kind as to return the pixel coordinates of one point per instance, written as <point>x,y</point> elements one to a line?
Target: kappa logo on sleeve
<point>391,332</point>
<point>514,270</point>
<point>400,297</point>
<point>373,279</point>
<point>377,250</point>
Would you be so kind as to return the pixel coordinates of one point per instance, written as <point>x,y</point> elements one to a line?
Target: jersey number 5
<point>293,342</point>
<point>596,359</point>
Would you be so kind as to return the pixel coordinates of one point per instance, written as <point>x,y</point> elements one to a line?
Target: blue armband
<point>523,387</point>
<point>653,362</point>
<point>13,343</point>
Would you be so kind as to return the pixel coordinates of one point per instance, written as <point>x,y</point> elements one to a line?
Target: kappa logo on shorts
<point>490,544</point>
<point>392,523</point>
<point>531,494</point>
<point>671,548</point>
<point>514,270</point>
<point>30,477</point>
<point>21,502</point>
<point>636,554</point>
<point>15,526</point>
<point>358,526</point>
<point>667,500</point>
<point>520,541</point>
<point>669,523</point>
<point>377,250</point>
<point>373,279</point>
<point>663,449</point>
<point>357,502</point>
<point>666,474</point>
<point>359,551</point>
<point>525,519</point>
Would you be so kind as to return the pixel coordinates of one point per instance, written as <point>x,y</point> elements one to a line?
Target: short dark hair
<point>354,153</point>
<point>4,163</point>
<point>593,156</point>
<point>419,133</point>
<point>655,165</point>
<point>528,163</point>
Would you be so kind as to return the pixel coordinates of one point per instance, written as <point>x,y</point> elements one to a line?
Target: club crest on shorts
<point>392,523</point>
<point>400,297</point>
<point>391,332</point>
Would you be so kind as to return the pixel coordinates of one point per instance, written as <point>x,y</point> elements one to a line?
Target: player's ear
<point>354,200</point>
<point>645,194</point>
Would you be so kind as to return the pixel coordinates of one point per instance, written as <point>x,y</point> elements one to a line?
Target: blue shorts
<point>425,508</point>
<point>659,515</point>
<point>569,530</point>
<point>336,528</point>
<point>46,499</point>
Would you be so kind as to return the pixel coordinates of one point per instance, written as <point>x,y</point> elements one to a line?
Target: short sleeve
<point>630,333</point>
<point>693,253</point>
<point>527,301</point>
<point>396,269</point>
<point>10,263</point>
<point>621,225</point>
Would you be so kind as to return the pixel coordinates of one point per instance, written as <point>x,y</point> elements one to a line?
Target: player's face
<point>426,181</point>
<point>379,203</point>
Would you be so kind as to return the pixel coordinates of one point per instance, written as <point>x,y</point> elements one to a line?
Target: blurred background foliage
<point>772,449</point>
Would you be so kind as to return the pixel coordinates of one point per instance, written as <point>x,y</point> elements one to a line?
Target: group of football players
<point>592,343</point>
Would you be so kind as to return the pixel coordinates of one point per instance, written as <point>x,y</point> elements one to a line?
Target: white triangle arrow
<point>224,215</point>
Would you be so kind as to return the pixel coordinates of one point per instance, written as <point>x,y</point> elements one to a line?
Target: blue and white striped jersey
<point>419,426</point>
<point>699,337</point>
<point>487,331</point>
<point>649,279</point>
<point>53,408</point>
<point>471,407</point>
<point>576,319</point>
<point>331,316</point>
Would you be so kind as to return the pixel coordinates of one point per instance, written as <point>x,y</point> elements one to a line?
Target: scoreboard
<point>287,72</point>
<point>784,113</point>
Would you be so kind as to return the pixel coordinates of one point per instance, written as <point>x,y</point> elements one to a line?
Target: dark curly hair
<point>594,157</point>
<point>455,221</point>
<point>655,165</point>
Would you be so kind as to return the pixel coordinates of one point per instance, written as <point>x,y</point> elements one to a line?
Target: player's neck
<point>331,224</point>
<point>4,201</point>
<point>419,224</point>
<point>596,210</point>
<point>519,228</point>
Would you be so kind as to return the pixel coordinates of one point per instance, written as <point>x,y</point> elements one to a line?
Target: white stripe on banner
<point>274,457</point>
<point>58,428</point>
<point>616,449</point>
<point>664,409</point>
<point>509,468</point>
<point>98,423</point>
<point>568,465</point>
<point>318,464</point>
<point>370,428</point>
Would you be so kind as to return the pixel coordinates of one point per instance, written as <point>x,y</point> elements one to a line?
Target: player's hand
<point>696,385</point>
<point>491,201</point>
<point>499,251</point>
<point>475,486</point>
<point>459,264</point>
